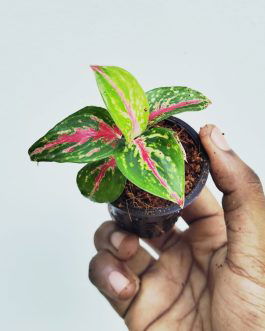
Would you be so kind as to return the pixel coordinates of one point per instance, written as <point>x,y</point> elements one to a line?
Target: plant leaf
<point>167,101</point>
<point>101,181</point>
<point>155,163</point>
<point>87,135</point>
<point>124,99</point>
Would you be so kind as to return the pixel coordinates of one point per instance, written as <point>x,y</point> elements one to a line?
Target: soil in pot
<point>135,197</point>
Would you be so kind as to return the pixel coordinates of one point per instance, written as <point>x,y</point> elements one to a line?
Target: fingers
<point>121,244</point>
<point>162,243</point>
<point>114,280</point>
<point>207,235</point>
<point>115,269</point>
<point>243,201</point>
<point>112,276</point>
<point>207,229</point>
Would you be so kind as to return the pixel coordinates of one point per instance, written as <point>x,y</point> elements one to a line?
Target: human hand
<point>209,277</point>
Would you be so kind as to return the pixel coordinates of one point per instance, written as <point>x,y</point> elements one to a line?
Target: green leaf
<point>155,163</point>
<point>87,135</point>
<point>124,99</point>
<point>167,101</point>
<point>101,181</point>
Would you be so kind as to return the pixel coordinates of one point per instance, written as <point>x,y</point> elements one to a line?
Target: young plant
<point>121,142</point>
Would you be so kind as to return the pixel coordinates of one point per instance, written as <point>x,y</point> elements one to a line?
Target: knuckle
<point>100,260</point>
<point>92,268</point>
<point>100,231</point>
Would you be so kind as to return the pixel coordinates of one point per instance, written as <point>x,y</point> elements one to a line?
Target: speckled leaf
<point>101,181</point>
<point>167,101</point>
<point>87,135</point>
<point>124,99</point>
<point>155,163</point>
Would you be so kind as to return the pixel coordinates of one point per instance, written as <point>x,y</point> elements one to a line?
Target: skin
<point>209,277</point>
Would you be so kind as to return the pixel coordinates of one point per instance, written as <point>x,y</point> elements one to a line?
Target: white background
<point>46,236</point>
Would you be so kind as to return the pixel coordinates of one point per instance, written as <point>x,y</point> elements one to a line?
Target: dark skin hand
<point>209,277</point>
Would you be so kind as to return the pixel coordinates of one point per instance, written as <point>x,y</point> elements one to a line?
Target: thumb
<point>243,200</point>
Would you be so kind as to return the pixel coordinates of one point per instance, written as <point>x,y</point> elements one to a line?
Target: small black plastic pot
<point>150,223</point>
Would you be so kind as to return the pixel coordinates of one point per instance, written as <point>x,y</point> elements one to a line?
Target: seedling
<point>122,141</point>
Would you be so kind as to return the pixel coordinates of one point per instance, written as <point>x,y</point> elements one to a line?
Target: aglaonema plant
<point>122,142</point>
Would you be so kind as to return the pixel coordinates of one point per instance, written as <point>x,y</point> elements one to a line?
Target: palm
<point>190,278</point>
<point>184,280</point>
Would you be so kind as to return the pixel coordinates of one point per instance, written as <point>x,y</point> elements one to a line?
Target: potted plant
<point>145,163</point>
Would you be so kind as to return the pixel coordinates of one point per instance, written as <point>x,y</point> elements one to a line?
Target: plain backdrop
<point>47,227</point>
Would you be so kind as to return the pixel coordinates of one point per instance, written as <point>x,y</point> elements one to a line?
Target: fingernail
<point>116,238</point>
<point>219,140</point>
<point>118,282</point>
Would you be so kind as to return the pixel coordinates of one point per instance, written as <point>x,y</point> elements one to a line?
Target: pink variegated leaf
<point>87,135</point>
<point>155,162</point>
<point>124,99</point>
<point>167,101</point>
<point>101,181</point>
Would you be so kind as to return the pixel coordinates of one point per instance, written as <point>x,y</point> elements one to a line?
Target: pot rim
<point>157,211</point>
